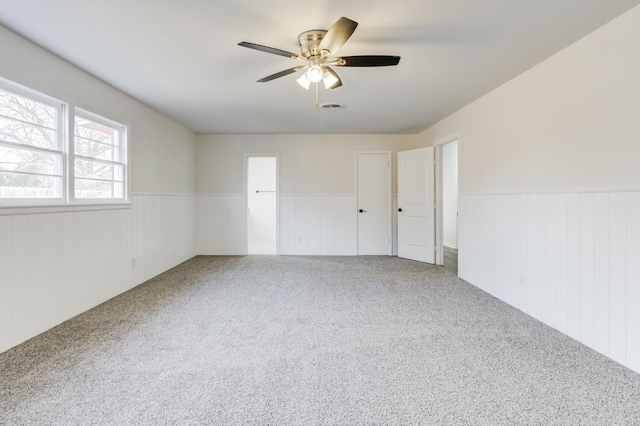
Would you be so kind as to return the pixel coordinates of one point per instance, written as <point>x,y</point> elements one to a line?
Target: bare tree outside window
<point>30,154</point>
<point>99,169</point>
<point>38,160</point>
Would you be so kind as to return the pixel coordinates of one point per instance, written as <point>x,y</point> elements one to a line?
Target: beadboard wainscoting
<point>309,225</point>
<point>318,225</point>
<point>570,260</point>
<point>164,233</point>
<point>222,225</point>
<point>54,266</point>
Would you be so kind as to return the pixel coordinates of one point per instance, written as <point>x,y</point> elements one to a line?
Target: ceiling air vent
<point>332,107</point>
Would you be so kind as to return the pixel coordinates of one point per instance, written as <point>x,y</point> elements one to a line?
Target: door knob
<point>362,211</point>
<point>399,210</point>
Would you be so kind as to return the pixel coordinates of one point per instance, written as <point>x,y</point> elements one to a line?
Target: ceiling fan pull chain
<point>317,95</point>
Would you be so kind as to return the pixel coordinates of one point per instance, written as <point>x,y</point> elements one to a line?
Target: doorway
<point>262,204</point>
<point>373,189</point>
<point>450,205</point>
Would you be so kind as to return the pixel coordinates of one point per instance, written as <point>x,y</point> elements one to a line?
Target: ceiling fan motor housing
<point>309,42</point>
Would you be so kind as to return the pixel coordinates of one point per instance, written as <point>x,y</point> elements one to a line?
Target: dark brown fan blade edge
<point>279,74</point>
<point>267,49</point>
<point>338,35</point>
<point>370,61</point>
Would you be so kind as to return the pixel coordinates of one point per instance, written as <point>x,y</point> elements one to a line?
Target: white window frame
<point>122,148</point>
<point>66,142</point>
<point>62,138</point>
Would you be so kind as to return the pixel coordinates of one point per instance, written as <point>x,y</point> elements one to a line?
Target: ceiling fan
<point>318,49</point>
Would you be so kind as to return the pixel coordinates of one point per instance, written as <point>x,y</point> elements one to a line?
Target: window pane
<point>24,109</point>
<point>98,189</point>
<point>32,146</point>
<point>24,160</point>
<point>89,148</point>
<point>27,134</point>
<point>96,170</point>
<point>96,131</point>
<point>97,146</point>
<point>28,186</point>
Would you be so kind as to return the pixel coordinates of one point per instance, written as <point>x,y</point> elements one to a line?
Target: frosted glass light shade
<point>329,80</point>
<point>304,81</point>
<point>314,74</point>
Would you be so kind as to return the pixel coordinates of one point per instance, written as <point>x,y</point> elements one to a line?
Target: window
<point>31,147</point>
<point>99,161</point>
<point>41,163</point>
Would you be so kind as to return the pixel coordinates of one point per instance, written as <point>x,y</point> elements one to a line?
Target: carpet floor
<point>284,340</point>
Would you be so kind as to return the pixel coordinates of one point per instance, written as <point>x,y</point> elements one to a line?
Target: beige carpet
<point>310,340</point>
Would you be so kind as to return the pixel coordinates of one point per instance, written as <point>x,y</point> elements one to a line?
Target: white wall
<point>570,122</point>
<point>450,194</point>
<point>549,174</point>
<point>317,187</point>
<point>57,264</point>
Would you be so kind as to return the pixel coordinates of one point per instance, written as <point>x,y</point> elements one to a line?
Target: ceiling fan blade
<point>268,49</point>
<point>331,81</point>
<point>338,35</point>
<point>369,61</point>
<point>280,74</point>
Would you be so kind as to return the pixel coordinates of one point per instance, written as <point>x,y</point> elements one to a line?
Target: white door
<point>374,207</point>
<point>416,198</point>
<point>262,197</point>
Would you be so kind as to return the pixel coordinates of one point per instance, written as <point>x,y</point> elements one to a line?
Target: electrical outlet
<point>133,262</point>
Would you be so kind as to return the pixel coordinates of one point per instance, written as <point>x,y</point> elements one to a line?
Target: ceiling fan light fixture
<point>304,81</point>
<point>315,73</point>
<point>329,80</point>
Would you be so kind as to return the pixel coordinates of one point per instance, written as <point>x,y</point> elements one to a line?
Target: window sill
<point>7,210</point>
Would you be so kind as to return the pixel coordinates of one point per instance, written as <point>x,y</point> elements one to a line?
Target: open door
<point>416,205</point>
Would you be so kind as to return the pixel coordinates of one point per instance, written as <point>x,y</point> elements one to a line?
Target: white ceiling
<point>182,58</point>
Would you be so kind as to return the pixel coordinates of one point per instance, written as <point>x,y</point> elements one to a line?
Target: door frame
<point>439,146</point>
<point>245,198</point>
<point>389,196</point>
